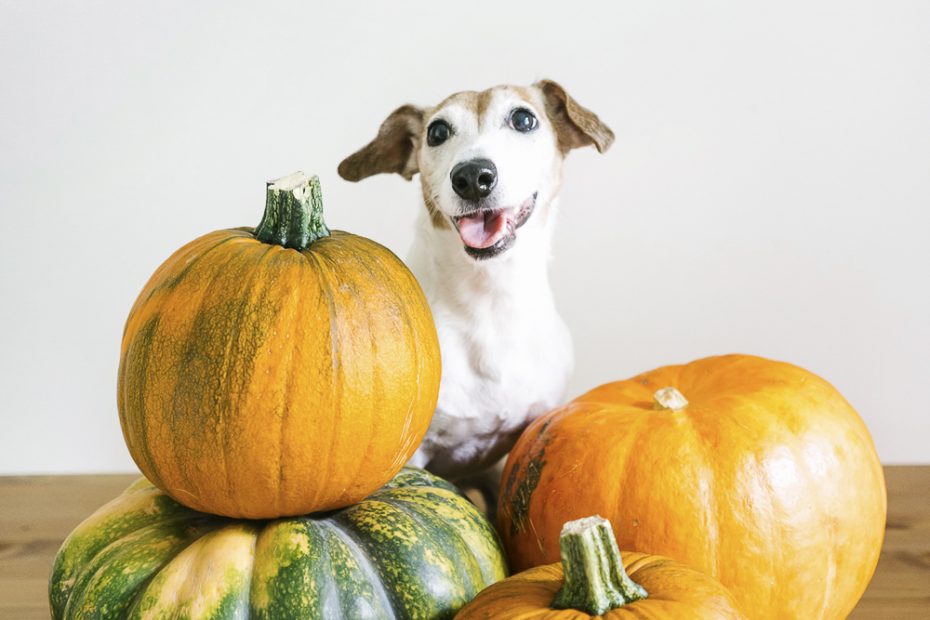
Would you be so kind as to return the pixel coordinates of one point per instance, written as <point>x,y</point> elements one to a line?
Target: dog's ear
<point>394,149</point>
<point>575,125</point>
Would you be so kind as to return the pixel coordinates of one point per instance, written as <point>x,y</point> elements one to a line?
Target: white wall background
<point>769,190</point>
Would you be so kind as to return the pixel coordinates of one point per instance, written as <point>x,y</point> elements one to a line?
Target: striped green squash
<point>416,548</point>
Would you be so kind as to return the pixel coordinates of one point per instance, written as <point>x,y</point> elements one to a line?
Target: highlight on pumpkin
<point>669,398</point>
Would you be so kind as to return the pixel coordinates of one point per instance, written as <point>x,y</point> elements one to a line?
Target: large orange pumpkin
<point>756,472</point>
<point>278,371</point>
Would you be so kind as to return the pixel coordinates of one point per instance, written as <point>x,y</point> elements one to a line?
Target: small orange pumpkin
<point>593,580</point>
<point>278,371</point>
<point>756,472</point>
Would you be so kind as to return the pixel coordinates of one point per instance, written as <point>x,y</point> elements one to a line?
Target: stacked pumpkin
<point>272,384</point>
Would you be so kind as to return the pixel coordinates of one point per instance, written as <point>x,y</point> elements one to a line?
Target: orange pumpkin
<point>756,472</point>
<point>593,580</point>
<point>278,371</point>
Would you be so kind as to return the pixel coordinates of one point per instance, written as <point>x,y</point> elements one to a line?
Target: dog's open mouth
<point>488,232</point>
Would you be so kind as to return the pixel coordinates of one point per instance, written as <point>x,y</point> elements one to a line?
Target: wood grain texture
<point>37,512</point>
<point>901,586</point>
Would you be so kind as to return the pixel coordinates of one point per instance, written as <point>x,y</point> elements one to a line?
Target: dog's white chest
<point>506,358</point>
<point>493,385</point>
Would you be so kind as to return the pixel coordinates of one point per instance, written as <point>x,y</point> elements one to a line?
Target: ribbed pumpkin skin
<point>767,480</point>
<point>414,549</point>
<point>676,592</point>
<point>258,381</point>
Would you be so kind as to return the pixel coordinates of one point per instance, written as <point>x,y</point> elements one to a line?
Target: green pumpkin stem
<point>594,578</point>
<point>293,212</point>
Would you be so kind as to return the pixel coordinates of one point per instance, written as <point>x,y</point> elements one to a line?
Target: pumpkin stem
<point>594,578</point>
<point>293,212</point>
<point>669,398</point>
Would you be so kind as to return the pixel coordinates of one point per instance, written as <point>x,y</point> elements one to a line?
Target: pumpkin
<point>414,549</point>
<point>593,580</point>
<point>278,371</point>
<point>756,472</point>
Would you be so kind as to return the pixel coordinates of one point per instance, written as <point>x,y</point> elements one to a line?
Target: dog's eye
<point>523,120</point>
<point>438,132</point>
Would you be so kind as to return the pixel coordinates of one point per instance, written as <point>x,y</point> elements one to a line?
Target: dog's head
<point>487,160</point>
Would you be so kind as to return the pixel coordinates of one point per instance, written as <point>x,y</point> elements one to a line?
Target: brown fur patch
<point>484,100</point>
<point>575,125</point>
<point>478,102</point>
<point>436,217</point>
<point>466,98</point>
<point>394,149</point>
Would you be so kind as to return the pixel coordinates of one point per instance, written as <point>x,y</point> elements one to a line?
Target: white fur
<point>506,353</point>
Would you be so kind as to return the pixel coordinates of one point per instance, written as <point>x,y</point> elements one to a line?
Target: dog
<point>490,166</point>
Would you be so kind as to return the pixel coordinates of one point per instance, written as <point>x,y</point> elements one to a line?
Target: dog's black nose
<point>474,179</point>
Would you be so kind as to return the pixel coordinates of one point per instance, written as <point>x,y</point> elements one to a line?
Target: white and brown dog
<point>490,167</point>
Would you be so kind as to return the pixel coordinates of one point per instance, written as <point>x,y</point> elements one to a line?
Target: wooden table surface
<point>37,512</point>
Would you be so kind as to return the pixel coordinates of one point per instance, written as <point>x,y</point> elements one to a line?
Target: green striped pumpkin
<point>416,548</point>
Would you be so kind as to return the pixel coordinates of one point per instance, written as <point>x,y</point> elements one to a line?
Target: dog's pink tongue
<point>482,230</point>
